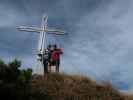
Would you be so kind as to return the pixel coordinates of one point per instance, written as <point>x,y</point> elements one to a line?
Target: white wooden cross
<point>42,36</point>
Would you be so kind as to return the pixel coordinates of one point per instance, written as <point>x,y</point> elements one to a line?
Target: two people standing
<point>52,58</point>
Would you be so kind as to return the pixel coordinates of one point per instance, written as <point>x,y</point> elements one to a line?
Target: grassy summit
<point>66,87</point>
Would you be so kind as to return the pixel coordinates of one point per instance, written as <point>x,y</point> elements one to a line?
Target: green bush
<point>14,83</point>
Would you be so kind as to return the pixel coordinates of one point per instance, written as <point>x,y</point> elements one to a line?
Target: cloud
<point>102,44</point>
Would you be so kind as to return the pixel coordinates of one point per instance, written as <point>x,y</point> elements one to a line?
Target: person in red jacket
<point>55,58</point>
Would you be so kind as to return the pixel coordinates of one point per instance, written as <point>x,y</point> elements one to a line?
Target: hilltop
<point>74,87</point>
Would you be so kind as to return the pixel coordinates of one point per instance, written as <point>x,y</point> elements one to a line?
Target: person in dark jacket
<point>47,57</point>
<point>45,62</point>
<point>49,48</point>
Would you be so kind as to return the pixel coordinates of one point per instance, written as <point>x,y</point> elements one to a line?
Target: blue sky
<point>99,43</point>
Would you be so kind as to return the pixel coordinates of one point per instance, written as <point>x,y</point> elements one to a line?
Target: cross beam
<point>35,29</point>
<point>42,36</point>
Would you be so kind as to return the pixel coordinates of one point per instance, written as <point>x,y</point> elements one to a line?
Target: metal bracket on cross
<point>42,35</point>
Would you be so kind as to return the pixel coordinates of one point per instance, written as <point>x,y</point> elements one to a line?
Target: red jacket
<point>56,54</point>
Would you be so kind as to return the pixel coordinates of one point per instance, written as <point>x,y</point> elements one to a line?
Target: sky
<point>99,42</point>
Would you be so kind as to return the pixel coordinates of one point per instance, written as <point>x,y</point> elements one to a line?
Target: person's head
<point>49,46</point>
<point>55,46</point>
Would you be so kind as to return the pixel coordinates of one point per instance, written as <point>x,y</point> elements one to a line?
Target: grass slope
<point>66,87</point>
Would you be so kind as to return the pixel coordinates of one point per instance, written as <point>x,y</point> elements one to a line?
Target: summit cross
<point>43,30</point>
